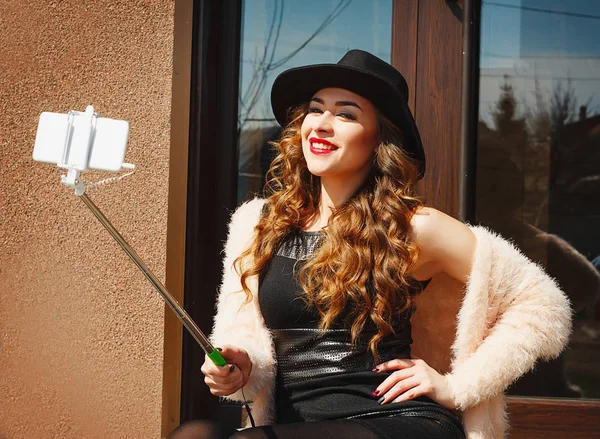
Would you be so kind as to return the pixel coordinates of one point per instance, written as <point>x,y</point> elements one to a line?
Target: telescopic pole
<point>181,314</point>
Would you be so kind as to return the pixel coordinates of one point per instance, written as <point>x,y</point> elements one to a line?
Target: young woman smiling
<point>319,280</point>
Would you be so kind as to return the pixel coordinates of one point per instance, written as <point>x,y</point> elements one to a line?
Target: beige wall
<point>81,330</point>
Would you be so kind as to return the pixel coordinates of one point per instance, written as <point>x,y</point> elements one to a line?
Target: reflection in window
<point>538,170</point>
<point>277,35</point>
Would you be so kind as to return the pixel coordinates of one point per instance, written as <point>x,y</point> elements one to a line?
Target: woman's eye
<point>315,110</point>
<point>349,116</point>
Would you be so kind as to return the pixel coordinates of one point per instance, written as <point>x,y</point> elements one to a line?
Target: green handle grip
<point>217,358</point>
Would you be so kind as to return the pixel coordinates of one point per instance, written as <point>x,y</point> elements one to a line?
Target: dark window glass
<point>538,170</point>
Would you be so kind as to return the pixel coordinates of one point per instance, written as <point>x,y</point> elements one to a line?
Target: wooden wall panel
<point>404,43</point>
<point>438,101</point>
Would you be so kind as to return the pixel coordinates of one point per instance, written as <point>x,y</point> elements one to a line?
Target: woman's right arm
<point>239,326</point>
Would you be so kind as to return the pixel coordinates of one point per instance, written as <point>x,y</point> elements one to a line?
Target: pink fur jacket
<point>482,335</point>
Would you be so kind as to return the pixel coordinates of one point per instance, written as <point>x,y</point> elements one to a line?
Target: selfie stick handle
<point>181,314</point>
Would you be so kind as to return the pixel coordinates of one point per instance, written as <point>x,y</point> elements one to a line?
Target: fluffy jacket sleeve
<point>512,314</point>
<point>239,324</point>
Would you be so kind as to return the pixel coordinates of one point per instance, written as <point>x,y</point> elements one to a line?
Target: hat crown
<point>369,63</point>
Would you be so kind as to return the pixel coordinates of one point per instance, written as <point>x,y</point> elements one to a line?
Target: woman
<point>320,279</point>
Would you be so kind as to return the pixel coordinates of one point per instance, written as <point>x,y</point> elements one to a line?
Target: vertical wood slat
<point>404,43</point>
<point>176,214</point>
<point>438,102</point>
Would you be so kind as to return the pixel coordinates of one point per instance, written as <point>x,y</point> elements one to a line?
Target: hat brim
<point>298,85</point>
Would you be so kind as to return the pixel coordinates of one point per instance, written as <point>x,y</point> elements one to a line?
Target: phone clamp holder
<point>76,152</point>
<point>72,177</point>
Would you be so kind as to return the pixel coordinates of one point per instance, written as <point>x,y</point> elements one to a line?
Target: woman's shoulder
<point>246,215</point>
<point>428,223</point>
<point>251,208</point>
<point>445,244</point>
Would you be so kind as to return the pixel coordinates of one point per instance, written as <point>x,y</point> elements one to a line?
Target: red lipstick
<point>321,151</point>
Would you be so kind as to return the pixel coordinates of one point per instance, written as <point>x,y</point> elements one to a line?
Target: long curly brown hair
<point>365,253</point>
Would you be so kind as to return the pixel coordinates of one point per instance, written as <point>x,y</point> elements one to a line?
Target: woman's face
<point>339,135</point>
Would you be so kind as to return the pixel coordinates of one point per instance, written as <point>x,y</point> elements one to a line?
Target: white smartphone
<point>79,144</point>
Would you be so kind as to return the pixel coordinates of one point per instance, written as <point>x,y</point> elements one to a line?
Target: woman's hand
<point>228,379</point>
<point>410,379</point>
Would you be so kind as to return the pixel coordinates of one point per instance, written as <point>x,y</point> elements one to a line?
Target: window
<point>538,169</point>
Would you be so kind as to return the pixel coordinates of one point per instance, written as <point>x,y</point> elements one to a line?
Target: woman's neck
<point>333,194</point>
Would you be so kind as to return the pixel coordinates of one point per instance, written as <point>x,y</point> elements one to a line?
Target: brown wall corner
<point>176,225</point>
<point>81,330</point>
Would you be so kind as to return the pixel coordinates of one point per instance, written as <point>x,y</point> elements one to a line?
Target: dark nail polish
<point>380,400</point>
<point>232,368</point>
<point>375,369</point>
<point>375,393</point>
<point>219,349</point>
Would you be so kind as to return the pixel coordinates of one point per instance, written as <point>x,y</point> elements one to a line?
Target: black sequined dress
<point>321,376</point>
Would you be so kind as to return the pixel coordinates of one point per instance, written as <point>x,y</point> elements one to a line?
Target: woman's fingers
<point>392,380</point>
<point>235,357</point>
<point>223,380</point>
<point>223,386</point>
<point>402,387</point>
<point>210,368</point>
<point>394,364</point>
<point>223,390</point>
<point>411,379</point>
<point>412,393</point>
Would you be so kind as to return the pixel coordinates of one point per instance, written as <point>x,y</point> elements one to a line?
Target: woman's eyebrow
<point>338,103</point>
<point>347,104</point>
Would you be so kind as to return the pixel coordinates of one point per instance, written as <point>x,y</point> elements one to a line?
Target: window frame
<point>203,181</point>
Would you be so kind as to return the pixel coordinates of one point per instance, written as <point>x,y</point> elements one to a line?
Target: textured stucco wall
<point>81,330</point>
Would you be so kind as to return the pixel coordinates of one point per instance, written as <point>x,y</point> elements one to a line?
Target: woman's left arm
<point>445,245</point>
<point>531,316</point>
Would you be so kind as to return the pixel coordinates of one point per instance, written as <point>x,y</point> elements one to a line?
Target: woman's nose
<point>323,122</point>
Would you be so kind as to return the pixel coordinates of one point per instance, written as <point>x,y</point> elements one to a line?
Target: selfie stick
<point>72,180</point>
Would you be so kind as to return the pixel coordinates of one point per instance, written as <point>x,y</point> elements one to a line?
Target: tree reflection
<point>534,167</point>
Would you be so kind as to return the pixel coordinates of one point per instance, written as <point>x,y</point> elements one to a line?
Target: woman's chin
<point>317,171</point>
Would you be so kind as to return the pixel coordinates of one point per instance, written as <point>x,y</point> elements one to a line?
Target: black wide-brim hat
<point>361,73</point>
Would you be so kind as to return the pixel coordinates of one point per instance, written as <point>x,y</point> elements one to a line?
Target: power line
<point>516,76</point>
<point>507,56</point>
<point>546,11</point>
